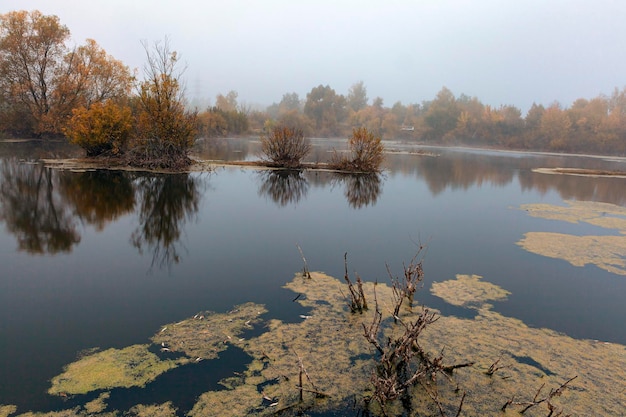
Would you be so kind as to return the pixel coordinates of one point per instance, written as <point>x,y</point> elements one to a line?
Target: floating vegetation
<point>206,334</point>
<point>328,360</point>
<point>129,367</point>
<point>468,291</point>
<point>606,252</point>
<point>7,410</point>
<point>605,215</point>
<point>582,172</point>
<point>156,410</point>
<point>98,405</point>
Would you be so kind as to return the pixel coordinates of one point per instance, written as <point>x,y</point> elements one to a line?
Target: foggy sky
<point>503,52</point>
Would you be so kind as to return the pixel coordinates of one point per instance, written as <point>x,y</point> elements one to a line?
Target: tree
<point>555,127</point>
<point>442,114</point>
<point>32,54</point>
<point>42,81</point>
<point>166,129</point>
<point>326,109</point>
<point>227,103</point>
<point>95,76</point>
<point>102,128</point>
<point>357,96</point>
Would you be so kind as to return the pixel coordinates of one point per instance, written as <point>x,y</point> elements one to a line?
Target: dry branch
<point>357,296</point>
<point>527,405</point>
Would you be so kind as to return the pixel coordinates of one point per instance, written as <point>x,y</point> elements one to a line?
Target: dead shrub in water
<point>401,361</point>
<point>357,297</point>
<point>406,288</point>
<point>366,153</point>
<point>285,147</point>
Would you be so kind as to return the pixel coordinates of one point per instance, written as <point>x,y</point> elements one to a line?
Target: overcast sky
<point>502,51</point>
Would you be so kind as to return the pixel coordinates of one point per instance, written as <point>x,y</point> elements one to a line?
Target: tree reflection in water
<point>98,197</point>
<point>283,186</point>
<point>167,202</point>
<point>33,210</point>
<point>361,190</point>
<point>290,187</point>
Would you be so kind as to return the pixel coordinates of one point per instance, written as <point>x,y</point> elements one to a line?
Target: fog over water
<point>504,53</point>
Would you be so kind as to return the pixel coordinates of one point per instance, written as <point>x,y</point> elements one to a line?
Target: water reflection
<point>361,190</point>
<point>98,197</point>
<point>283,186</point>
<point>40,218</point>
<point>462,170</point>
<point>291,187</point>
<point>41,207</point>
<point>167,203</point>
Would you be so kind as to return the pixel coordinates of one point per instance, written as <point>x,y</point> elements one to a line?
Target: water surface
<point>104,258</point>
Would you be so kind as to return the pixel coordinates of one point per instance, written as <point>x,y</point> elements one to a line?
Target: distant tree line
<point>48,89</point>
<point>597,125</point>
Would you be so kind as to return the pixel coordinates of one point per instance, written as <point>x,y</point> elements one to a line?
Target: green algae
<point>132,366</point>
<point>206,334</point>
<point>606,252</point>
<point>7,410</point>
<point>328,341</point>
<point>200,337</point>
<point>468,291</point>
<point>98,405</point>
<point>153,410</point>
<point>605,215</point>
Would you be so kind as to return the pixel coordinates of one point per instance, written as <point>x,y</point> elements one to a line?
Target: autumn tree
<point>555,127</point>
<point>166,129</point>
<point>442,115</point>
<point>95,76</point>
<point>32,55</point>
<point>102,128</point>
<point>326,109</point>
<point>42,80</point>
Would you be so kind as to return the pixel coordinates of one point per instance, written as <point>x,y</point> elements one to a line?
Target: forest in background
<point>44,83</point>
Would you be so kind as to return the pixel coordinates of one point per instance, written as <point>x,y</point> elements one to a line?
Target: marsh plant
<point>285,147</point>
<point>365,153</point>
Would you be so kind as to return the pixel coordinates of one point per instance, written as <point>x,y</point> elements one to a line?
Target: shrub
<point>285,147</point>
<point>366,153</point>
<point>165,128</point>
<point>102,128</point>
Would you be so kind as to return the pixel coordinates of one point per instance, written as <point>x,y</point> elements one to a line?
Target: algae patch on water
<point>468,291</point>
<point>7,410</point>
<point>206,334</point>
<point>200,337</point>
<point>323,362</point>
<point>606,252</point>
<point>132,366</point>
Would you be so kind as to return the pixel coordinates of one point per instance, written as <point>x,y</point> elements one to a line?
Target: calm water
<point>105,258</point>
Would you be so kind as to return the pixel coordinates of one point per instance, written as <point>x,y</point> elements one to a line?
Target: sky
<point>504,52</point>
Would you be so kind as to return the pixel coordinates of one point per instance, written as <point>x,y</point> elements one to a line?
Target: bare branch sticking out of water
<point>357,297</point>
<point>305,269</point>
<point>537,400</point>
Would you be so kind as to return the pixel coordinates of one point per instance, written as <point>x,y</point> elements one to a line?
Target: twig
<point>305,269</point>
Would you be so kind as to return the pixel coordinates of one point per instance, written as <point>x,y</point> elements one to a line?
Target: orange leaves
<point>42,80</point>
<point>104,127</point>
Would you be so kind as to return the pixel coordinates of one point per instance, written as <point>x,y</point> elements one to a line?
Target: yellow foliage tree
<point>166,129</point>
<point>101,128</point>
